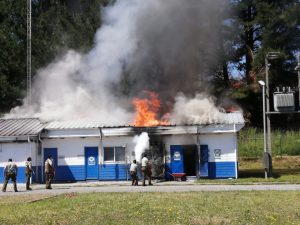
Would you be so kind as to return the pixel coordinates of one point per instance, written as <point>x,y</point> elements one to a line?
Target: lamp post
<point>263,85</point>
<point>269,56</point>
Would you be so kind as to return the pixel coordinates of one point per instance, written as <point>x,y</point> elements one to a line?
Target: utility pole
<point>28,54</point>
<point>269,56</point>
<point>298,68</point>
<point>268,129</point>
<point>263,84</point>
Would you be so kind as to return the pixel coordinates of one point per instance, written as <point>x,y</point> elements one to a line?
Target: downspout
<point>236,151</point>
<point>198,149</point>
<point>30,150</point>
<point>126,162</point>
<point>42,157</point>
<point>100,148</point>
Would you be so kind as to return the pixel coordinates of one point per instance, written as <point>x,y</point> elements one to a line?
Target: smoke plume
<point>141,144</point>
<point>166,46</point>
<point>198,110</point>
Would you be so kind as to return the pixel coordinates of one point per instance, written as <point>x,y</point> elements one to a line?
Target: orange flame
<point>147,110</point>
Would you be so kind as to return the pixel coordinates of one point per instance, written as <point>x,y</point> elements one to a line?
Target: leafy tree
<point>57,25</point>
<point>265,26</point>
<point>13,52</point>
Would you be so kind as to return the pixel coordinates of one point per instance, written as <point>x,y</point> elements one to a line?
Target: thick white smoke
<point>164,46</point>
<point>198,110</point>
<point>141,144</point>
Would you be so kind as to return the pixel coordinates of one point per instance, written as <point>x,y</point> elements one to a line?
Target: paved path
<point>87,187</point>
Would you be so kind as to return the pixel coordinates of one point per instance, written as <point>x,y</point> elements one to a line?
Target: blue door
<point>91,163</point>
<point>177,159</point>
<point>203,160</point>
<point>53,153</point>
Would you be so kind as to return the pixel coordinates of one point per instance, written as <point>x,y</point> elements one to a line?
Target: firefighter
<point>133,173</point>
<point>28,173</point>
<point>146,170</point>
<point>10,172</point>
<point>49,171</point>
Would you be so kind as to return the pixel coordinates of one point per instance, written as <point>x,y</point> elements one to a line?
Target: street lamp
<point>263,85</point>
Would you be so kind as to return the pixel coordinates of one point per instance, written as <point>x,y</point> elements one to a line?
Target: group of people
<point>11,172</point>
<point>146,171</point>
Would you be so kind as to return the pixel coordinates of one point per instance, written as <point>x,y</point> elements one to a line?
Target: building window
<point>114,154</point>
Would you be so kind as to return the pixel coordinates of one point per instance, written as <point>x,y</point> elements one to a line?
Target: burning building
<point>163,46</point>
<point>92,151</point>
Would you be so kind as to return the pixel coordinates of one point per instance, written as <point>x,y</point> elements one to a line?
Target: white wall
<point>227,142</point>
<point>18,152</point>
<point>71,150</point>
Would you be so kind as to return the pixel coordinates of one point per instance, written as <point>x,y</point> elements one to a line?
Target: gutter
<point>30,150</point>
<point>100,148</point>
<point>198,150</point>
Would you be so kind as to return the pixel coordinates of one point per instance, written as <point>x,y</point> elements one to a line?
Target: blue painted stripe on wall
<point>113,172</point>
<point>221,169</point>
<point>70,173</point>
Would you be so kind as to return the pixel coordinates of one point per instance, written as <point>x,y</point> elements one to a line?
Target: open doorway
<point>190,160</point>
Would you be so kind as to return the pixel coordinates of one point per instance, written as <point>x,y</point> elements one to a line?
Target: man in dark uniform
<point>10,172</point>
<point>28,173</point>
<point>49,171</point>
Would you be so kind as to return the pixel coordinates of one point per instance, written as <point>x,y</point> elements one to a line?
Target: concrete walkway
<point>125,186</point>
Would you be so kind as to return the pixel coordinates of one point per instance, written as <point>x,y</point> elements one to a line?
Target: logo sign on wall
<point>177,156</point>
<point>217,153</point>
<point>91,161</point>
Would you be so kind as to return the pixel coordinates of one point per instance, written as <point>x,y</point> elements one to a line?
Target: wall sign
<point>177,156</point>
<point>217,153</point>
<point>91,161</point>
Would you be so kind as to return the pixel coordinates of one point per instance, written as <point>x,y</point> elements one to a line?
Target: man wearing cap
<point>10,172</point>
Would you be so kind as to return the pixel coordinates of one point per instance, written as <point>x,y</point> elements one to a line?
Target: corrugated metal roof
<point>20,127</point>
<point>228,118</point>
<point>80,124</point>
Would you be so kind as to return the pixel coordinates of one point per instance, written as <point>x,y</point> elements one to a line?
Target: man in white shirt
<point>146,170</point>
<point>133,173</point>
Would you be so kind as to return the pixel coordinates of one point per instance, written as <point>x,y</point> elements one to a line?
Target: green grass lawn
<point>248,207</point>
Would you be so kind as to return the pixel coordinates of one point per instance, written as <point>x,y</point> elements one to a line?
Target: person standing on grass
<point>146,168</point>
<point>133,173</point>
<point>28,173</point>
<point>49,171</point>
<point>10,172</point>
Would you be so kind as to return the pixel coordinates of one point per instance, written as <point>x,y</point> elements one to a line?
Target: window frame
<point>114,154</point>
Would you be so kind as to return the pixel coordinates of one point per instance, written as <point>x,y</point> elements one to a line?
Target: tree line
<point>250,30</point>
